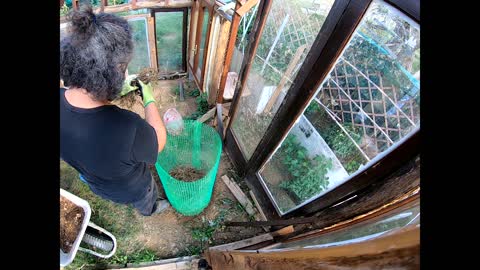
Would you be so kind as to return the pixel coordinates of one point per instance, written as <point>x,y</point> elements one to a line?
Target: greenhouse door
<point>200,25</point>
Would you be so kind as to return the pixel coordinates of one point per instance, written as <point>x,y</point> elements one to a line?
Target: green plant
<point>194,93</point>
<point>143,255</point>
<point>205,231</point>
<point>343,146</point>
<point>308,175</point>
<point>202,107</point>
<point>176,90</point>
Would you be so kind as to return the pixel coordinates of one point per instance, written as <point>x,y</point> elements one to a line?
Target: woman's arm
<point>152,116</point>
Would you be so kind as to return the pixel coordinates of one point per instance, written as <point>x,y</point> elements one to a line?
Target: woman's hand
<point>147,93</point>
<point>127,88</point>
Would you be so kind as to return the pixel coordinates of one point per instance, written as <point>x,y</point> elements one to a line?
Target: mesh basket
<point>198,146</point>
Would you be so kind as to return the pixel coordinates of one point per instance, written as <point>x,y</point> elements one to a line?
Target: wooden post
<point>152,44</point>
<point>219,61</point>
<point>229,53</point>
<point>288,73</point>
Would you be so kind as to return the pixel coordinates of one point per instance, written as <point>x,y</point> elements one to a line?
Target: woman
<point>109,146</point>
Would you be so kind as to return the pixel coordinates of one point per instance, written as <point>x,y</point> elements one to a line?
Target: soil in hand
<point>186,173</point>
<point>71,218</point>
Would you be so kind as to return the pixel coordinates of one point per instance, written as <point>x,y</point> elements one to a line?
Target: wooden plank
<point>187,265</point>
<point>152,42</point>
<point>260,211</point>
<point>284,231</point>
<point>239,195</point>
<point>207,115</point>
<point>229,53</point>
<point>207,45</point>
<point>145,4</point>
<point>285,222</point>
<point>286,75</point>
<point>399,250</point>
<point>246,7</point>
<point>219,61</point>
<point>179,261</point>
<point>243,243</point>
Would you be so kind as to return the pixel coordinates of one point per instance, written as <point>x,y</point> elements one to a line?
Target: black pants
<point>147,205</point>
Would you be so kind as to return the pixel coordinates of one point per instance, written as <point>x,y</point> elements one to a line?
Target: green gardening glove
<point>147,93</point>
<point>127,88</point>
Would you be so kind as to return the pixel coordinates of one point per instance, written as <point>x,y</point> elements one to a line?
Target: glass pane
<point>133,12</point>
<point>141,51</point>
<point>244,29</point>
<point>289,32</point>
<point>169,31</point>
<point>367,104</point>
<point>360,232</point>
<point>201,50</point>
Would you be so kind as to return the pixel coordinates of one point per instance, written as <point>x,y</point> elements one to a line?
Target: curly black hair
<point>95,53</point>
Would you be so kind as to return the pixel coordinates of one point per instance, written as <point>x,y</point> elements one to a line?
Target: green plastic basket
<point>198,146</point>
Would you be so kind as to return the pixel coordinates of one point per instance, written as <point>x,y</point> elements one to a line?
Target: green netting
<point>198,146</point>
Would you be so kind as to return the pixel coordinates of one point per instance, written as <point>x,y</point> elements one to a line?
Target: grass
<point>203,234</point>
<point>120,220</point>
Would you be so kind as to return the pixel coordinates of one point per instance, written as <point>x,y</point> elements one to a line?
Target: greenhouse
<point>316,105</point>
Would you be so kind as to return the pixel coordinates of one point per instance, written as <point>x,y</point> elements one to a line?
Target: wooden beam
<point>228,54</point>
<point>152,44</point>
<point>246,7</point>
<point>145,4</point>
<point>398,250</point>
<point>286,75</point>
<point>243,243</point>
<point>207,115</point>
<point>284,231</point>
<point>219,61</point>
<point>255,201</point>
<point>239,195</point>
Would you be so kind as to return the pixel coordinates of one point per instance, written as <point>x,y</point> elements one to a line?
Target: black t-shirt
<point>110,147</point>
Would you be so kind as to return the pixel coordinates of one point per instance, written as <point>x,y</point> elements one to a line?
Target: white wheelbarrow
<point>89,233</point>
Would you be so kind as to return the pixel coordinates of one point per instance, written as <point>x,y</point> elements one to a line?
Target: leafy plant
<point>202,107</point>
<point>308,175</point>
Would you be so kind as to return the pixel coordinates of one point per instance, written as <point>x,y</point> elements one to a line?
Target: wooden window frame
<point>339,26</point>
<point>184,32</point>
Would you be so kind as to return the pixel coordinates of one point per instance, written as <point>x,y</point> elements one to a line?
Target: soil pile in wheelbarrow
<point>186,173</point>
<point>71,218</point>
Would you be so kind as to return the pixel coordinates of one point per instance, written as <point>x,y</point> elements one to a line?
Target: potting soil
<point>71,218</point>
